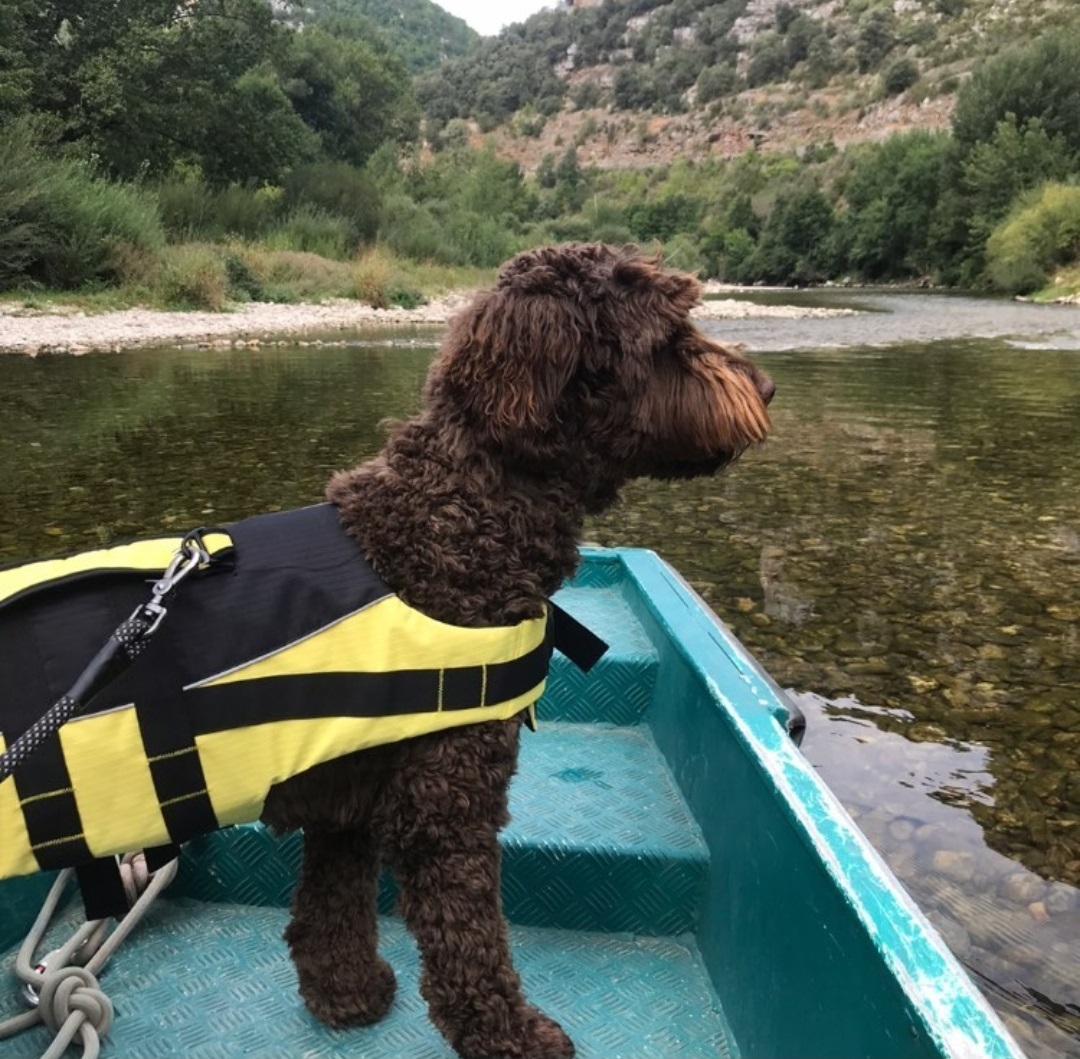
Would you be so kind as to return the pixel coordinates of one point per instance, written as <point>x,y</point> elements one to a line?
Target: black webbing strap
<point>47,800</point>
<point>102,889</point>
<point>578,642</point>
<point>169,744</point>
<point>308,696</point>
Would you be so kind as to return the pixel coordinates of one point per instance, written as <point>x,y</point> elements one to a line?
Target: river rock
<point>932,837</point>
<point>955,936</point>
<point>954,865</point>
<point>1022,888</point>
<point>1061,898</point>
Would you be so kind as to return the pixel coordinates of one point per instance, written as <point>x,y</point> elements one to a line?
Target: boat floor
<point>214,981</point>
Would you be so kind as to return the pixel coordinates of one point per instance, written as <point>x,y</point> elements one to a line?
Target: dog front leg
<point>451,904</point>
<point>333,934</point>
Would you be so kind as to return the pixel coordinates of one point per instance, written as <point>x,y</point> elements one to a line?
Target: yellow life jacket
<point>290,651</point>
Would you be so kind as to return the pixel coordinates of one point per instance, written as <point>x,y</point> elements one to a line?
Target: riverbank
<point>71,330</point>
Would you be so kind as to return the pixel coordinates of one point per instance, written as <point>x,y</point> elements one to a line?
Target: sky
<point>489,16</point>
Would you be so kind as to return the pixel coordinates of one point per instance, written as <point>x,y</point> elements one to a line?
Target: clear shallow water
<point>904,554</point>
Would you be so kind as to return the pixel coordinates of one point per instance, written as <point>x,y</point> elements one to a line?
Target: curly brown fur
<point>579,370</point>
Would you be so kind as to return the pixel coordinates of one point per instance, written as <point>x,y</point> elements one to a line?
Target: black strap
<point>47,800</point>
<point>102,889</point>
<point>169,744</point>
<point>578,642</point>
<point>240,703</point>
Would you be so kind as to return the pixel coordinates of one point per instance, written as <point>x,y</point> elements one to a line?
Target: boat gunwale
<point>954,1014</point>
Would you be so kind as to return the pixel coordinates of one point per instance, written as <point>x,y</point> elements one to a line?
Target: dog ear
<point>655,300</point>
<point>673,294</point>
<point>508,359</point>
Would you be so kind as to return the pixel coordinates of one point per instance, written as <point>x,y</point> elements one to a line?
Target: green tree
<point>795,245</point>
<point>891,193</point>
<point>353,97</point>
<point>877,37</point>
<point>1037,80</point>
<point>1015,159</point>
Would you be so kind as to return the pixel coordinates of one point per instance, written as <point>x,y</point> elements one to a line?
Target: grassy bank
<point>212,276</point>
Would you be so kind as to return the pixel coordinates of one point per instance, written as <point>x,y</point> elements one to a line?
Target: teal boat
<point>680,885</point>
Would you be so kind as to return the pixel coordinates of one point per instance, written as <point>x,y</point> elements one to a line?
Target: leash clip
<point>189,557</point>
<point>192,555</point>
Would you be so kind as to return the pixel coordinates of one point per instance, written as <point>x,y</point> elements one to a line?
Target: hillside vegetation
<point>422,33</point>
<point>706,77</point>
<point>224,151</point>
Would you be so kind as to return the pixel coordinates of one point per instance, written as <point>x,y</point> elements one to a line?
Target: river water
<point>904,555</point>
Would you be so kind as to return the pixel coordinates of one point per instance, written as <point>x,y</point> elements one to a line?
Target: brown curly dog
<point>578,371</point>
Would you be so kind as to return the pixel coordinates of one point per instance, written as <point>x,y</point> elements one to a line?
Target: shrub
<point>313,231</point>
<point>379,280</point>
<point>877,37</point>
<point>338,189</point>
<point>714,82</point>
<point>62,226</point>
<point>586,95</point>
<point>187,209</point>
<point>769,61</point>
<point>899,76</point>
<point>193,276</point>
<point>1043,233</point>
<point>372,277</point>
<point>245,211</point>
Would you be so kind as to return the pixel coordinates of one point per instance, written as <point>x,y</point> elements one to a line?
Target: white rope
<point>69,999</point>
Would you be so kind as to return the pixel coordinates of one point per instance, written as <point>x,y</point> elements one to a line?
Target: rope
<point>69,999</point>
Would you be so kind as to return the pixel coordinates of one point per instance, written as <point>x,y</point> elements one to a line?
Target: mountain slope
<point>630,82</point>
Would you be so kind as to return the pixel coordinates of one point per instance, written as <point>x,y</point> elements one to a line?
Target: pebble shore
<point>32,331</point>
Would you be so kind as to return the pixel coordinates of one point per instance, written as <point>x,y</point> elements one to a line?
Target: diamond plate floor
<point>203,981</point>
<point>620,687</point>
<point>601,839</point>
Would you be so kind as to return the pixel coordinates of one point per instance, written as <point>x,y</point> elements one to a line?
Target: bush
<point>715,82</point>
<point>246,212</point>
<point>379,279</point>
<point>769,61</point>
<point>877,37</point>
<point>899,76</point>
<point>187,209</point>
<point>313,231</point>
<point>338,189</point>
<point>194,277</point>
<point>62,226</point>
<point>1041,235</point>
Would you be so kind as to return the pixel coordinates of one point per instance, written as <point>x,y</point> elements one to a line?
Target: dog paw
<point>535,1037</point>
<point>354,997</point>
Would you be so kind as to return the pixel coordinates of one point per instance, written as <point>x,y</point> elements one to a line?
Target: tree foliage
<point>420,31</point>
<point>211,86</point>
<point>1040,80</point>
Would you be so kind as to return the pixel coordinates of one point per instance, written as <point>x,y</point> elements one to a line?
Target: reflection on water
<point>1017,934</point>
<point>904,553</point>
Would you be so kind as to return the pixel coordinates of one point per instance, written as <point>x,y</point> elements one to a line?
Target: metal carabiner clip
<point>190,556</point>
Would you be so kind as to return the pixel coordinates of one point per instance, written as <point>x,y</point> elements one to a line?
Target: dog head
<point>586,354</point>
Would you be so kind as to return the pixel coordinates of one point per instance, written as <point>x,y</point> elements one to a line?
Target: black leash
<point>122,648</point>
